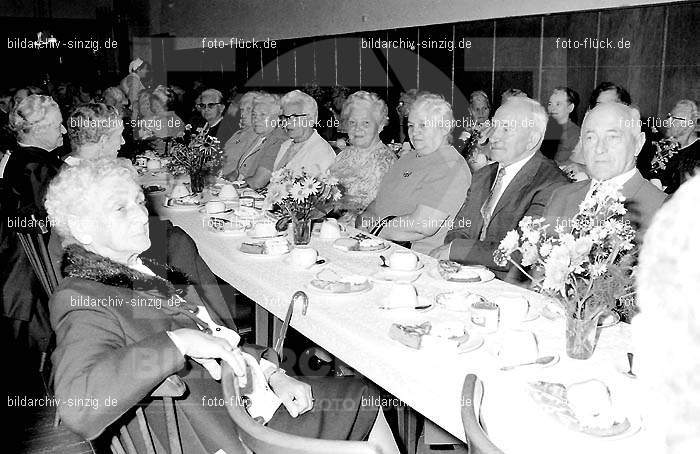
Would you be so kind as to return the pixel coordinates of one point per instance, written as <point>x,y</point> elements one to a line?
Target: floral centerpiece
<point>197,154</point>
<point>585,265</point>
<point>298,193</point>
<point>664,150</point>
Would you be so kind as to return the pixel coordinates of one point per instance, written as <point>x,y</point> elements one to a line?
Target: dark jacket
<point>526,195</point>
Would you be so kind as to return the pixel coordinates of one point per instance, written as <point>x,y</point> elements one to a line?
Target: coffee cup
<point>228,192</point>
<point>514,309</point>
<point>403,261</point>
<point>330,230</point>
<point>214,207</point>
<point>403,294</point>
<point>303,257</point>
<point>180,190</point>
<point>264,229</point>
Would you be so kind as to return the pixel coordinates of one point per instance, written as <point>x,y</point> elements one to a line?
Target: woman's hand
<point>204,348</point>
<point>295,395</point>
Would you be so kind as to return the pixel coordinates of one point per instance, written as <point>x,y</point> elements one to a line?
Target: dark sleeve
<point>93,365</point>
<point>32,189</point>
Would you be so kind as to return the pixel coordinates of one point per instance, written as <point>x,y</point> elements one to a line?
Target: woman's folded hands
<point>206,349</point>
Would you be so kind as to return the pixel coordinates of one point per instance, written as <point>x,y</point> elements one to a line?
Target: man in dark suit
<point>211,106</point>
<point>518,184</point>
<point>611,140</point>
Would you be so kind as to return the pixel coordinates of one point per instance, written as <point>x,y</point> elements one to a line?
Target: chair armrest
<point>477,439</point>
<point>173,386</point>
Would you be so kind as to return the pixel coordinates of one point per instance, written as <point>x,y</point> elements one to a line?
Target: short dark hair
<point>622,94</point>
<point>573,98</point>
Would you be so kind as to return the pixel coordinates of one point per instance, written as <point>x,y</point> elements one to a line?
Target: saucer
<point>424,303</point>
<point>263,237</point>
<point>288,261</point>
<point>386,275</point>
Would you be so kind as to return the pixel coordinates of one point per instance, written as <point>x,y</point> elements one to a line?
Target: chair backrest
<point>477,440</point>
<point>35,248</point>
<point>264,440</point>
<point>122,443</point>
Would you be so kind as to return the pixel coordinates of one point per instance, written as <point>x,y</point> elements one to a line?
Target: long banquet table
<point>355,330</point>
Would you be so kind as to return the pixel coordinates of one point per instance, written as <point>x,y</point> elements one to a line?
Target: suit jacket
<point>264,154</point>
<point>111,343</point>
<point>526,195</point>
<point>643,199</point>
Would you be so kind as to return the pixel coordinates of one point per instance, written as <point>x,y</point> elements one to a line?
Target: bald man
<point>611,140</point>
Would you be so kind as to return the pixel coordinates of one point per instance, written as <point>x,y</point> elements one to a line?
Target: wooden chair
<point>122,443</point>
<point>263,440</point>
<point>477,440</point>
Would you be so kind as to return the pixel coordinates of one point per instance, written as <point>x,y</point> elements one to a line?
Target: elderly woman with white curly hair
<point>361,166</point>
<point>305,147</point>
<point>33,162</point>
<point>244,138</point>
<point>423,191</point>
<point>666,330</point>
<point>107,346</point>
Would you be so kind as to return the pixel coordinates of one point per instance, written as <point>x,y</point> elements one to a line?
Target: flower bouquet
<point>585,265</point>
<point>664,150</point>
<point>198,155</point>
<point>298,193</point>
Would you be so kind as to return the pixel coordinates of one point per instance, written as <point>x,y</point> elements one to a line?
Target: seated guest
<point>211,106</point>
<point>96,133</point>
<point>562,133</point>
<point>243,139</point>
<point>668,284</point>
<point>475,149</point>
<point>604,93</point>
<point>165,122</point>
<point>423,190</point>
<point>611,140</point>
<point>231,120</point>
<point>518,184</point>
<point>361,166</point>
<point>305,147</point>
<point>669,170</point>
<point>34,161</point>
<point>256,163</point>
<point>124,351</point>
<point>512,93</point>
<point>115,97</point>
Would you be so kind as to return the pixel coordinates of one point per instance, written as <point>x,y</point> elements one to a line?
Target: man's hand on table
<point>206,349</point>
<point>295,395</point>
<point>441,252</point>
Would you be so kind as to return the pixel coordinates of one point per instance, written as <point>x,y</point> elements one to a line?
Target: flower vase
<point>197,181</point>
<point>302,230</point>
<point>581,337</point>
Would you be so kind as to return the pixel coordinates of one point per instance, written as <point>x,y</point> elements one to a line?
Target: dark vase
<point>197,181</point>
<point>581,336</point>
<point>302,230</point>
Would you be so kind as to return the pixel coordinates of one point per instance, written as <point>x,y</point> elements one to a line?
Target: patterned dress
<point>360,172</point>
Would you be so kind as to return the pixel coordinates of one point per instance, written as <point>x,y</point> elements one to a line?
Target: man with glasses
<point>305,148</point>
<point>211,106</point>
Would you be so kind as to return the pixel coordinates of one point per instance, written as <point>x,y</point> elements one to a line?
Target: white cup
<point>153,164</point>
<point>264,229</point>
<point>330,229</point>
<point>403,261</point>
<point>514,309</point>
<point>180,190</point>
<point>403,294</point>
<point>214,207</point>
<point>228,192</point>
<point>303,256</point>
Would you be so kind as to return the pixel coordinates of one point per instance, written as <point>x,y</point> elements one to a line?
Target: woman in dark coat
<point>33,162</point>
<point>124,324</point>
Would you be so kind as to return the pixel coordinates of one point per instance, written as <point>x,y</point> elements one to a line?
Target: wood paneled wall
<point>661,65</point>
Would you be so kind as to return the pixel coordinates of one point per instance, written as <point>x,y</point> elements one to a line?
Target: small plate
<point>288,261</point>
<point>365,288</point>
<point>266,256</point>
<point>484,273</point>
<point>475,341</point>
<point>385,245</point>
<point>149,190</point>
<point>440,297</point>
<point>182,207</point>
<point>210,227</point>
<point>614,320</point>
<point>203,210</point>
<point>386,275</point>
<point>424,303</point>
<point>419,266</point>
<point>263,237</point>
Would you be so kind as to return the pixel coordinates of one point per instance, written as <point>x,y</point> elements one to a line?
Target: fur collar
<point>81,263</point>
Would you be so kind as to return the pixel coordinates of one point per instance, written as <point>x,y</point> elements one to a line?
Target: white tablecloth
<point>429,380</point>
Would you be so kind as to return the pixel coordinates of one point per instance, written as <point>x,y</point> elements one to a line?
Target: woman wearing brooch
<point>124,324</point>
<point>361,166</point>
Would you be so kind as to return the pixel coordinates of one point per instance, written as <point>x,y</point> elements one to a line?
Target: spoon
<point>630,359</point>
<point>383,265</point>
<point>320,261</point>
<point>540,360</point>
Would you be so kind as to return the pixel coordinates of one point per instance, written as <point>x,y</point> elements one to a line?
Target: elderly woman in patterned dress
<point>361,166</point>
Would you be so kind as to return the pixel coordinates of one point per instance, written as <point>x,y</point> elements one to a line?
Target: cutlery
<point>630,359</point>
<point>320,261</point>
<point>383,265</point>
<point>540,360</point>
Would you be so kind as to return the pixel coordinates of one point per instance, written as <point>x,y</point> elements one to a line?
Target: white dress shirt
<point>510,172</point>
<point>314,154</point>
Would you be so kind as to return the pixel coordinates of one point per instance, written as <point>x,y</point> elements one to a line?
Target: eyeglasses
<point>210,105</point>
<point>288,117</point>
<point>670,116</point>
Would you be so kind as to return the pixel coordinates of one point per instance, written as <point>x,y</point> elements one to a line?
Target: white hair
<point>268,100</point>
<point>212,91</point>
<point>376,104</point>
<point>536,114</point>
<point>307,102</point>
<point>69,195</point>
<point>31,114</point>
<point>631,117</point>
<point>435,106</point>
<point>691,105</point>
<point>667,329</point>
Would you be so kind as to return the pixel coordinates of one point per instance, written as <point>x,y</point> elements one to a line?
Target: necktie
<point>490,203</point>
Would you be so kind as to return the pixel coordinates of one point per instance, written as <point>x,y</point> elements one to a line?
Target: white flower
<point>545,249</point>
<point>297,193</point>
<point>310,186</point>
<point>598,269</point>
<point>530,256</point>
<point>533,236</point>
<point>510,243</point>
